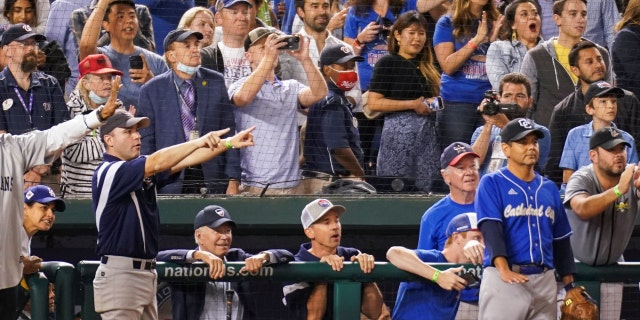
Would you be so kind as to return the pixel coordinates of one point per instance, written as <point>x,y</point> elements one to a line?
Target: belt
<point>317,175</point>
<point>130,263</point>
<point>528,269</point>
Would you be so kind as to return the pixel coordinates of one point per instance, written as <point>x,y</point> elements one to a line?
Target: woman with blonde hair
<point>79,160</point>
<point>202,20</point>
<point>625,52</point>
<point>461,41</point>
<point>404,85</point>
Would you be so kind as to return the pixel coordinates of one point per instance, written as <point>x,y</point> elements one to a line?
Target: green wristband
<point>227,143</point>
<point>616,190</point>
<point>435,276</point>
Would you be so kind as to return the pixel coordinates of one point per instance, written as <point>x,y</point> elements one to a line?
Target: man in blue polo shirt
<point>124,202</point>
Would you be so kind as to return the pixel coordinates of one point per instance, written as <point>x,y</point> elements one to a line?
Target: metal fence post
<point>61,274</point>
<point>39,292</point>
<point>346,300</point>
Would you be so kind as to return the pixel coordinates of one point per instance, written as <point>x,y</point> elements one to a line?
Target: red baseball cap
<point>96,64</point>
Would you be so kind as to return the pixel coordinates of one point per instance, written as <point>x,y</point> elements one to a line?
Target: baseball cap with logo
<point>19,32</point>
<point>313,211</point>
<point>180,35</point>
<point>96,64</point>
<point>43,194</point>
<point>257,34</point>
<point>221,4</point>
<point>606,138</point>
<point>462,223</point>
<point>337,53</point>
<point>601,88</point>
<point>212,216</point>
<point>454,153</point>
<point>519,128</point>
<point>123,119</point>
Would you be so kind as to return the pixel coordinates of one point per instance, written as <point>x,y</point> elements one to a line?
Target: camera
<point>493,106</point>
<point>436,105</point>
<point>292,43</point>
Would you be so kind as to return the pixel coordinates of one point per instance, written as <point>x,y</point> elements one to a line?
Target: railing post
<point>39,292</point>
<point>62,275</point>
<point>346,300</point>
<point>87,273</point>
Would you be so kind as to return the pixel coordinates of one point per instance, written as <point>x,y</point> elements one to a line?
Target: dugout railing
<point>346,282</point>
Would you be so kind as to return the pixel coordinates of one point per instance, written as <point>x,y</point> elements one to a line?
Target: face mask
<point>346,79</point>
<point>97,99</point>
<point>186,69</point>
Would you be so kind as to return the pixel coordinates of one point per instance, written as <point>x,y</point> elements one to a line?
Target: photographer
<point>512,100</point>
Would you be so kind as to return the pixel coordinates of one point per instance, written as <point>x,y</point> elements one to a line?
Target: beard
<point>29,62</point>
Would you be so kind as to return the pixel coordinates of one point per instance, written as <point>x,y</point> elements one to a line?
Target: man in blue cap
<point>213,233</point>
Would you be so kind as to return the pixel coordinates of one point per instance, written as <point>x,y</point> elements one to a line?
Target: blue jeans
<point>457,122</point>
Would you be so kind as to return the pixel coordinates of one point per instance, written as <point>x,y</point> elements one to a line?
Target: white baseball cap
<point>313,211</point>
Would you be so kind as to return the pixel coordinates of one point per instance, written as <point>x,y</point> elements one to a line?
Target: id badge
<point>194,134</point>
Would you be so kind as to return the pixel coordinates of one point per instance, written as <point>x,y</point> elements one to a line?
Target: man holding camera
<point>513,100</point>
<point>271,104</point>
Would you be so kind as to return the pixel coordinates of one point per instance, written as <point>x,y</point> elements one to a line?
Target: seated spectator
<point>213,233</point>
<point>602,104</point>
<point>520,31</point>
<point>590,66</point>
<point>438,300</point>
<point>332,143</point>
<point>32,99</point>
<point>59,29</point>
<point>143,37</point>
<point>321,224</point>
<point>269,103</point>
<point>81,159</point>
<point>405,85</point>
<point>199,19</point>
<point>198,97</point>
<point>51,58</point>
<point>120,20</point>
<point>514,89</point>
<point>38,10</point>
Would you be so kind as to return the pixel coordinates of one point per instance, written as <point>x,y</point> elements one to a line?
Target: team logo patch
<point>51,193</point>
<point>603,84</point>
<point>27,28</point>
<point>29,195</point>
<point>459,149</point>
<point>46,106</point>
<point>324,203</point>
<point>512,192</point>
<point>345,49</point>
<point>614,133</point>
<point>219,212</point>
<point>526,123</point>
<point>7,104</point>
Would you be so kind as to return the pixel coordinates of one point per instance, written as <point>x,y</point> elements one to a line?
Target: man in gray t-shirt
<point>601,201</point>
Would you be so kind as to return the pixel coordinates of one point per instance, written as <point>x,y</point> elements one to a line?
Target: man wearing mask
<point>513,101</point>
<point>332,143</point>
<point>198,97</point>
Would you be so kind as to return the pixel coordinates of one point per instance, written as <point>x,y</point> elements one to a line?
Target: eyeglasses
<point>28,43</point>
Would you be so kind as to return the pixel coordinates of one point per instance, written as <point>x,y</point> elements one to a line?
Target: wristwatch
<point>99,114</point>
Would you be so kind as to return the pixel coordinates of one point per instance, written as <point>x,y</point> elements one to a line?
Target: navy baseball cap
<point>19,32</point>
<point>212,216</point>
<point>454,153</point>
<point>519,128</point>
<point>180,36</point>
<point>123,119</point>
<point>315,209</point>
<point>607,138</point>
<point>43,194</point>
<point>601,88</point>
<point>339,53</point>
<point>221,4</point>
<point>462,223</point>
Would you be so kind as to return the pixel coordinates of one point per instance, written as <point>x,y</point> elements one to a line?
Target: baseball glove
<point>578,305</point>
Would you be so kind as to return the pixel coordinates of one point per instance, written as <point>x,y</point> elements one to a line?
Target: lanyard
<point>28,108</point>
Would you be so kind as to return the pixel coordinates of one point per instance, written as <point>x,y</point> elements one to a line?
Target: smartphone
<point>135,62</point>
<point>470,278</point>
<point>436,105</point>
<point>292,43</point>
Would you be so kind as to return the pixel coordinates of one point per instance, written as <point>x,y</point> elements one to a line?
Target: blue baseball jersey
<point>531,214</point>
<point>425,299</point>
<point>435,220</point>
